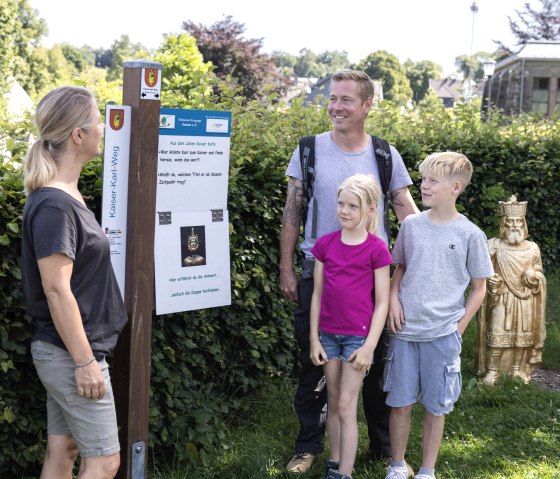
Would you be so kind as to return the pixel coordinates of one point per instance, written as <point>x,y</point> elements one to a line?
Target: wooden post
<point>132,357</point>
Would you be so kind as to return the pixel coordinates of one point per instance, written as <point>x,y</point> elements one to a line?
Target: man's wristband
<point>83,365</point>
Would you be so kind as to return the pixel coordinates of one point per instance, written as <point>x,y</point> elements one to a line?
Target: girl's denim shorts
<point>341,346</point>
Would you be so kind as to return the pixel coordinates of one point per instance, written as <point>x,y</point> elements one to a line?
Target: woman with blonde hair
<point>71,292</point>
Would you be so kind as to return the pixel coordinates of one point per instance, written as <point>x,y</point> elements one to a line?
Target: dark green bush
<point>22,423</point>
<point>204,362</point>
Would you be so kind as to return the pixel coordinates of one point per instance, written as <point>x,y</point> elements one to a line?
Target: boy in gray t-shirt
<point>438,253</point>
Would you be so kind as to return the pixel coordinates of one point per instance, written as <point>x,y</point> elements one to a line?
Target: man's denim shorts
<point>428,372</point>
<point>341,346</point>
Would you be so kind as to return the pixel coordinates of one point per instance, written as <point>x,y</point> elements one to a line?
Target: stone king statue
<point>511,325</point>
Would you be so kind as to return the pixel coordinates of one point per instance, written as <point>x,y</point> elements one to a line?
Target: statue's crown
<point>513,207</point>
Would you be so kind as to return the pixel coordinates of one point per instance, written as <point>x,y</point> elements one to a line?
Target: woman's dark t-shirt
<point>55,222</point>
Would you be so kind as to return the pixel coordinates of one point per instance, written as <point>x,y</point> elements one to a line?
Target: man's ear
<point>368,103</point>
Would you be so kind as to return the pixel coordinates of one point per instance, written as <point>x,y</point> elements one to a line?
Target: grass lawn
<point>509,431</point>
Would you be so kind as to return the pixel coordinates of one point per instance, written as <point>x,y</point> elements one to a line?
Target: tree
<point>76,57</point>
<point>39,74</point>
<point>186,79</point>
<point>334,60</point>
<point>419,75</point>
<point>58,65</point>
<point>103,57</point>
<point>89,55</point>
<point>311,64</point>
<point>48,67</point>
<point>123,50</point>
<point>534,24</point>
<point>284,62</point>
<point>471,65</point>
<point>386,67</point>
<point>235,57</point>
<point>20,32</point>
<point>537,25</point>
<point>307,65</point>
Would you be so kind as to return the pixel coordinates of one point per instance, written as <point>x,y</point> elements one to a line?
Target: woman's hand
<point>90,381</point>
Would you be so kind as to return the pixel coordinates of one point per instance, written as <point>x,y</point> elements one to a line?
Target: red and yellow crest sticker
<point>151,76</point>
<point>116,119</point>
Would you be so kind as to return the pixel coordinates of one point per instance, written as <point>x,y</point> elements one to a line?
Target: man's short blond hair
<point>448,164</point>
<point>365,85</point>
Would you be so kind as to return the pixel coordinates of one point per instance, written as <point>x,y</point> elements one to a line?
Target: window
<point>557,95</point>
<point>539,103</point>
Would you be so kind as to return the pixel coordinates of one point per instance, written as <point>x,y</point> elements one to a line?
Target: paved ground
<point>547,378</point>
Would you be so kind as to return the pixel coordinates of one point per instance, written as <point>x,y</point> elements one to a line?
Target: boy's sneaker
<point>409,469</point>
<point>397,472</point>
<point>301,462</point>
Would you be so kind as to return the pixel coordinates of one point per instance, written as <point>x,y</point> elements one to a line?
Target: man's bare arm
<point>291,222</point>
<point>402,203</point>
<point>294,203</point>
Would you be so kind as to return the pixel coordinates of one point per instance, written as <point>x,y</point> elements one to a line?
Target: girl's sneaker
<point>330,464</point>
<point>333,474</point>
<point>424,476</point>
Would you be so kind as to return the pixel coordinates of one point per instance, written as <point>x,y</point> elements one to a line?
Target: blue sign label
<point>178,122</point>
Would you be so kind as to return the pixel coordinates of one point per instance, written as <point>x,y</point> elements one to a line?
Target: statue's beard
<point>514,237</point>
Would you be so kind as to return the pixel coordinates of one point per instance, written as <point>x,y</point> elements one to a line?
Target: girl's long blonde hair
<point>366,188</point>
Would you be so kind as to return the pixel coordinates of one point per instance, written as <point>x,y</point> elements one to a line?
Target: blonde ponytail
<point>39,166</point>
<point>57,114</point>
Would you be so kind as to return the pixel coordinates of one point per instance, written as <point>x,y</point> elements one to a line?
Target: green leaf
<point>8,416</point>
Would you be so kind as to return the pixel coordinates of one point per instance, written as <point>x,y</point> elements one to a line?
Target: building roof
<point>447,88</point>
<point>18,102</point>
<point>318,91</point>
<point>534,50</point>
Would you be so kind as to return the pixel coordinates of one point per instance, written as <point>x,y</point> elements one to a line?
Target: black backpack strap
<point>307,160</point>
<point>382,153</point>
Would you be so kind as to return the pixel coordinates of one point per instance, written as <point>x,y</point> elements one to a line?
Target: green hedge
<point>205,362</point>
<point>519,156</point>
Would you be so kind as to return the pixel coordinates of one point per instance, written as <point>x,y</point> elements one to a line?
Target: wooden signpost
<point>199,133</point>
<point>132,356</point>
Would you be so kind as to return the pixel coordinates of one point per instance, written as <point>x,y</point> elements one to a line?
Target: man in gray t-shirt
<point>340,153</point>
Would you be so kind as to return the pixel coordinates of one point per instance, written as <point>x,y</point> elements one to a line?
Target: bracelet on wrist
<point>83,365</point>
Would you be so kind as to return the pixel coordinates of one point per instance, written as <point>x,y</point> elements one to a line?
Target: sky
<point>437,30</point>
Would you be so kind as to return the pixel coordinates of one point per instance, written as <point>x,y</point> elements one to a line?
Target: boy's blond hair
<point>449,164</point>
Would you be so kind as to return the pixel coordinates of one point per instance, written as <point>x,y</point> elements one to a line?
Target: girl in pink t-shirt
<point>348,311</point>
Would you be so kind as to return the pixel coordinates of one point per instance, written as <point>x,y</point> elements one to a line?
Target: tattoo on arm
<point>294,203</point>
<point>394,198</point>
